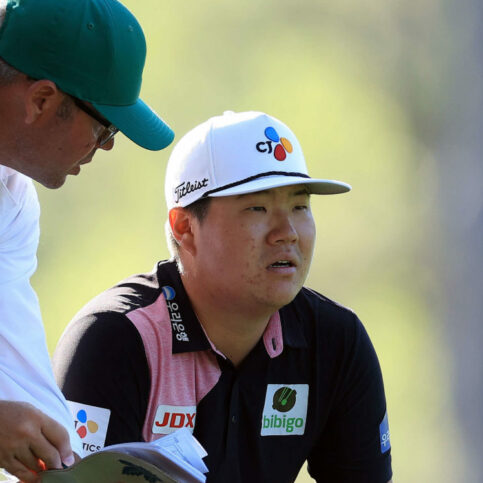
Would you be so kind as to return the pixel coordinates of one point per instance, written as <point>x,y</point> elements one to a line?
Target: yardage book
<point>175,458</point>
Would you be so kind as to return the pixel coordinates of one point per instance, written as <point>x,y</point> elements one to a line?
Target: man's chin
<point>52,183</point>
<point>281,300</point>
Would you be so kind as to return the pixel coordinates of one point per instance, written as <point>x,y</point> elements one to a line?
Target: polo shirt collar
<point>292,325</point>
<point>188,334</point>
<point>5,172</point>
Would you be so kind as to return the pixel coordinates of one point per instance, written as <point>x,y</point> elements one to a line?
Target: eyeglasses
<point>109,130</point>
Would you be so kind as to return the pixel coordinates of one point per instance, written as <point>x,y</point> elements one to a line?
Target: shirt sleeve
<point>100,362</point>
<point>25,368</point>
<point>355,447</point>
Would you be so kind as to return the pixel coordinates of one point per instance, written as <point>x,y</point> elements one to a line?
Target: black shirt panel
<point>101,362</point>
<point>100,358</point>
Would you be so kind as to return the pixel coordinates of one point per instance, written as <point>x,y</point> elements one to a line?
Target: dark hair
<point>199,208</point>
<point>8,74</point>
<point>66,108</point>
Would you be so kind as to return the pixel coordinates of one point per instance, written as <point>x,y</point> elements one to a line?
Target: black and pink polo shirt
<point>135,365</point>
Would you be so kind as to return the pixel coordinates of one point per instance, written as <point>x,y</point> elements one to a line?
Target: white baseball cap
<point>238,153</point>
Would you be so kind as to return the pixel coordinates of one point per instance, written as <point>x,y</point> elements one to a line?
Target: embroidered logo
<point>174,314</point>
<point>170,418</point>
<point>131,469</point>
<point>285,409</point>
<point>91,424</point>
<point>282,147</point>
<point>187,187</point>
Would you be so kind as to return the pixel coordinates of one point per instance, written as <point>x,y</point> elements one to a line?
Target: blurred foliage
<point>341,75</point>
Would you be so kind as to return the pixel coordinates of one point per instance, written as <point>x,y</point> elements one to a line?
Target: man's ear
<point>180,221</point>
<point>41,97</point>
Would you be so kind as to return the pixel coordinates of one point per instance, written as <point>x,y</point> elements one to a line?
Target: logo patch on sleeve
<point>285,409</point>
<point>170,418</point>
<point>91,425</point>
<point>385,436</point>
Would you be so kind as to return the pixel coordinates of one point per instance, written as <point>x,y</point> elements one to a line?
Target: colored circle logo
<point>168,292</point>
<point>283,147</point>
<point>284,399</point>
<point>87,424</point>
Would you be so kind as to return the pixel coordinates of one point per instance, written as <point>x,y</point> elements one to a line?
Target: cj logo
<point>280,151</point>
<point>91,425</point>
<point>87,425</point>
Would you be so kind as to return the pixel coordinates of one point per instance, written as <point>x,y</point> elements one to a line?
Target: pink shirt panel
<point>176,379</point>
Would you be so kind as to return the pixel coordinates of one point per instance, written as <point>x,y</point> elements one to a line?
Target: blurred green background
<point>362,85</point>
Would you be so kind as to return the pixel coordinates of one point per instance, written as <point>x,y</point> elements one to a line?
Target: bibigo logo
<point>281,149</point>
<point>285,409</point>
<point>284,399</point>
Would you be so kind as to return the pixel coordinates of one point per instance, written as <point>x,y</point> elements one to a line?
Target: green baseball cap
<point>93,50</point>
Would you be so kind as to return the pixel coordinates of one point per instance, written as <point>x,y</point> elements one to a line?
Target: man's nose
<point>283,230</point>
<point>108,146</point>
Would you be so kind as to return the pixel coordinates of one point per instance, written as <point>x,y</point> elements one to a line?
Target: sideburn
<point>65,109</point>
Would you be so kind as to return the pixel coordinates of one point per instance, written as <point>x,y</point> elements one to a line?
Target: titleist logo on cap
<point>187,187</point>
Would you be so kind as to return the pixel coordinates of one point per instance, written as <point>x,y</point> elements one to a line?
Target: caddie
<point>70,78</point>
<point>224,339</point>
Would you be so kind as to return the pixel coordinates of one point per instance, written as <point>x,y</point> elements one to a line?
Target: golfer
<point>224,339</point>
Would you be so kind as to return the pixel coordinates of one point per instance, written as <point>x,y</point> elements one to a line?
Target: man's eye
<point>257,208</point>
<point>301,207</point>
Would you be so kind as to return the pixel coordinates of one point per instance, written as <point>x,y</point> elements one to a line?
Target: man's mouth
<point>282,264</point>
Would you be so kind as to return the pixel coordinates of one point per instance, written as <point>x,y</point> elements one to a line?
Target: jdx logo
<point>170,418</point>
<point>280,150</point>
<point>285,409</point>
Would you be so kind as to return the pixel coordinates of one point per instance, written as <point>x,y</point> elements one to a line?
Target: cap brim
<point>315,186</point>
<point>139,123</point>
